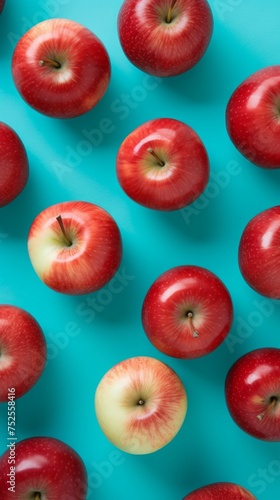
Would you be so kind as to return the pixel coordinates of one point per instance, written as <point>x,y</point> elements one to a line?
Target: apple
<point>61,68</point>
<point>14,166</point>
<point>252,117</point>
<point>2,3</point>
<point>187,312</point>
<point>165,37</point>
<point>259,253</point>
<point>252,392</point>
<point>140,404</point>
<point>163,164</point>
<point>75,247</point>
<point>42,468</point>
<point>22,352</point>
<point>221,490</point>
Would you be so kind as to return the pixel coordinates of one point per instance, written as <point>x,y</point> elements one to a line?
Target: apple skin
<point>259,253</point>
<point>184,175</point>
<point>140,404</point>
<point>2,3</point>
<point>93,256</point>
<point>252,391</point>
<point>14,166</point>
<point>164,48</point>
<point>187,312</point>
<point>220,491</point>
<point>22,351</point>
<point>77,85</point>
<point>252,117</point>
<point>46,466</point>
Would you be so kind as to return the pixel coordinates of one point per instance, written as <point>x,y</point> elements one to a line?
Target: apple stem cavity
<point>190,318</point>
<point>37,496</point>
<point>170,12</point>
<point>271,406</point>
<point>51,63</point>
<point>154,154</point>
<point>67,240</point>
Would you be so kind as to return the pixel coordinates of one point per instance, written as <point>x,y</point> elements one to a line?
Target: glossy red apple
<point>187,312</point>
<point>75,247</point>
<point>42,468</point>
<point>220,491</point>
<point>259,253</point>
<point>61,68</point>
<point>140,404</point>
<point>252,391</point>
<point>14,166</point>
<point>165,37</point>
<point>22,352</point>
<point>2,3</point>
<point>163,164</point>
<point>252,117</point>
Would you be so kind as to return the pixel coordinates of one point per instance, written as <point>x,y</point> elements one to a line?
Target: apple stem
<point>170,11</point>
<point>194,331</point>
<point>50,62</point>
<point>271,406</point>
<point>159,160</point>
<point>37,496</point>
<point>141,402</point>
<point>68,242</point>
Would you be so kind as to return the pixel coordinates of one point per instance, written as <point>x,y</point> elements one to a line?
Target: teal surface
<point>84,341</point>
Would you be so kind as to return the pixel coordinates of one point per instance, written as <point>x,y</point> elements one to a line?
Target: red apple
<point>259,253</point>
<point>22,352</point>
<point>75,247</point>
<point>2,3</point>
<point>14,167</point>
<point>42,468</point>
<point>252,117</point>
<point>220,491</point>
<point>252,391</point>
<point>61,68</point>
<point>140,404</point>
<point>165,37</point>
<point>187,312</point>
<point>163,164</point>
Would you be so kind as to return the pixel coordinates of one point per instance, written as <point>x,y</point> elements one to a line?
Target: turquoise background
<point>84,343</point>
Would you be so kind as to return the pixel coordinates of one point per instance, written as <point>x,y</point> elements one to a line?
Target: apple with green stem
<point>75,247</point>
<point>140,404</point>
<point>165,37</point>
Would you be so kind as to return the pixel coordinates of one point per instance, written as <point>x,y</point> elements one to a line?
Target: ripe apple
<point>2,3</point>
<point>187,312</point>
<point>140,404</point>
<point>14,166</point>
<point>61,68</point>
<point>165,37</point>
<point>75,247</point>
<point>163,164</point>
<point>42,468</point>
<point>22,351</point>
<point>259,253</point>
<point>252,391</point>
<point>222,490</point>
<point>252,117</point>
